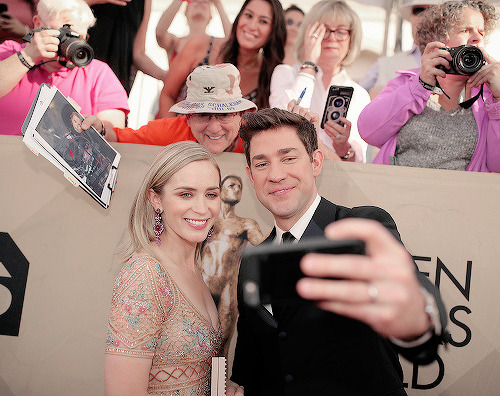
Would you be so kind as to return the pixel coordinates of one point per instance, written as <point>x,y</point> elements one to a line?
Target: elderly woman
<point>329,40</point>
<point>424,117</point>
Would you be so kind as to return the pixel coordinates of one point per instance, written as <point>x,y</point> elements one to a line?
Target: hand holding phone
<point>337,104</point>
<point>269,273</point>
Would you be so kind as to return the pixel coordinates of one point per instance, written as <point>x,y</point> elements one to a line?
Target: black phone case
<point>269,273</point>
<point>337,104</point>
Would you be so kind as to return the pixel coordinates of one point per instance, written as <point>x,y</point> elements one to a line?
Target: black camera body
<point>466,60</point>
<point>337,104</point>
<point>71,46</point>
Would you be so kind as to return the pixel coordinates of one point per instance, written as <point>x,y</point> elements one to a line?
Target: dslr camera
<point>466,60</point>
<point>71,46</point>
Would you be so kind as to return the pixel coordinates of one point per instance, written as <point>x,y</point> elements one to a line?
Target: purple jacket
<point>380,121</point>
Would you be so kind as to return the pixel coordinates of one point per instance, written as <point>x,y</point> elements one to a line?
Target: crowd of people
<point>280,55</point>
<point>261,90</point>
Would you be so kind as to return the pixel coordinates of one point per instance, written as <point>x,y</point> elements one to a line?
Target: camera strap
<point>27,38</point>
<point>469,102</point>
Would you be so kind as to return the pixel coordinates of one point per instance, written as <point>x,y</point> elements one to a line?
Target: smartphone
<point>3,8</point>
<point>269,273</point>
<point>337,104</point>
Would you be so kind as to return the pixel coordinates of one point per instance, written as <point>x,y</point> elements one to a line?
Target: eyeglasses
<point>339,34</point>
<point>291,22</point>
<point>418,10</point>
<point>204,118</point>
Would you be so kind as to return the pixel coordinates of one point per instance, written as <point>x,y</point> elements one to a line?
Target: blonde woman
<point>329,40</point>
<point>163,327</point>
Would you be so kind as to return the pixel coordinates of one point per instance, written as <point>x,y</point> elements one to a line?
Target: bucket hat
<point>213,89</point>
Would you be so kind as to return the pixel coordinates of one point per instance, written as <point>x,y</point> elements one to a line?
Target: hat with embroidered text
<point>213,89</point>
<point>407,7</point>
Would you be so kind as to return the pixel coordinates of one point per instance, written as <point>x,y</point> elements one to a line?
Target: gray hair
<point>78,11</point>
<point>326,9</point>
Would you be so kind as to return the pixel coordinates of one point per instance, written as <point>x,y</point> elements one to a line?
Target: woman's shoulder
<point>141,263</point>
<point>196,45</point>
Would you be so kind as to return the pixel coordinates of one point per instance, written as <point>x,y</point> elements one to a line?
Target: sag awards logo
<point>13,278</point>
<point>460,332</point>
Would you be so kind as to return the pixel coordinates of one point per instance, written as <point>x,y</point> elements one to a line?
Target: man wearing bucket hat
<point>385,68</point>
<point>210,115</point>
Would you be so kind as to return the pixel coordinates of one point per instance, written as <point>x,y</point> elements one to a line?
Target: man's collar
<point>300,226</point>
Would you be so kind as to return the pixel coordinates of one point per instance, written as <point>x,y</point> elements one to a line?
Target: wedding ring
<point>315,35</point>
<point>372,293</point>
<point>338,136</point>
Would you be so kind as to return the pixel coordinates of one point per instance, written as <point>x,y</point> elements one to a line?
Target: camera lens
<point>469,60</point>
<point>79,52</point>
<point>338,102</point>
<point>74,48</point>
<point>335,115</point>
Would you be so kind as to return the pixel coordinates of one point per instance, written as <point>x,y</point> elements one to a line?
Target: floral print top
<point>152,318</point>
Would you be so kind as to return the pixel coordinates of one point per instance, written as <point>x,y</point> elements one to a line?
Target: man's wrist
<point>24,61</point>
<point>434,329</point>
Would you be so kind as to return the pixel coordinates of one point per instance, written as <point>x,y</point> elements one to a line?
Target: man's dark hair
<point>66,114</point>
<point>272,119</point>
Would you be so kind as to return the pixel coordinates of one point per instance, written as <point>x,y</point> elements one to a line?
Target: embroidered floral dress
<point>151,318</point>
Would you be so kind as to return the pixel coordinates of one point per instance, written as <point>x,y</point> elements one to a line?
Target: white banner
<point>54,302</point>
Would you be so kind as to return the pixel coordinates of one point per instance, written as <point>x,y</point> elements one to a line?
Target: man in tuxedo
<point>370,308</point>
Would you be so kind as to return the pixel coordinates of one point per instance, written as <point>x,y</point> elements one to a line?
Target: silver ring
<point>338,136</point>
<point>372,293</point>
<point>315,35</point>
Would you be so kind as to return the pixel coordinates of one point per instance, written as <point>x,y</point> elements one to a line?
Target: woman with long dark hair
<point>255,46</point>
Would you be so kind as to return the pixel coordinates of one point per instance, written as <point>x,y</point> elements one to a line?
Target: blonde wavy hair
<point>142,215</point>
<point>438,20</point>
<point>326,10</point>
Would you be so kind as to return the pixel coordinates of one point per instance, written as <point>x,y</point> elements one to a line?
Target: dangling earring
<point>209,235</point>
<point>158,227</point>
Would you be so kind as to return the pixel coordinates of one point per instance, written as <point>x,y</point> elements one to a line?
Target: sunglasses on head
<point>291,22</point>
<point>418,10</point>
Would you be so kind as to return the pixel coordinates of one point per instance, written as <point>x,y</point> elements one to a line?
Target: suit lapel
<point>325,213</point>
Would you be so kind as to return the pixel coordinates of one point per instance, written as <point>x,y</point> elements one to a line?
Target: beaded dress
<point>152,318</point>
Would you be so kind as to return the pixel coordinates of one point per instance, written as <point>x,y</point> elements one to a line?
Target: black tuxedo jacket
<point>304,350</point>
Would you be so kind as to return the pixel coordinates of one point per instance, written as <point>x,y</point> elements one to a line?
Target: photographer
<point>24,67</point>
<point>444,115</point>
